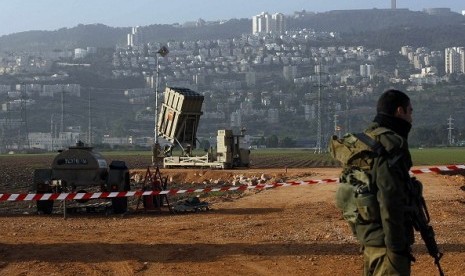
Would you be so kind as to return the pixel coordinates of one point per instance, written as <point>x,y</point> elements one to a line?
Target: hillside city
<point>285,87</point>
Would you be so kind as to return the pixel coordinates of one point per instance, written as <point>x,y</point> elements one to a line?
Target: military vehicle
<point>178,122</point>
<point>80,169</point>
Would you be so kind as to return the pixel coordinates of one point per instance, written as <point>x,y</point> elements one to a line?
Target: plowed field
<point>282,231</point>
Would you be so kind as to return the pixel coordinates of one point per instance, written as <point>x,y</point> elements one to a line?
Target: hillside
<point>99,35</point>
<point>356,21</point>
<point>354,24</point>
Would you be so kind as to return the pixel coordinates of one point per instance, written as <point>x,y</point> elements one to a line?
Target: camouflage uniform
<point>387,242</point>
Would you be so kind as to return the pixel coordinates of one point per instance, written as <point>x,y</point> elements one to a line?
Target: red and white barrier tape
<point>438,169</point>
<point>78,196</point>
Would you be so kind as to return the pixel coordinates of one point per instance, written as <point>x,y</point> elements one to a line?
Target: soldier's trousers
<point>380,261</point>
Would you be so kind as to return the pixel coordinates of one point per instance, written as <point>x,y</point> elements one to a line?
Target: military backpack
<point>356,192</point>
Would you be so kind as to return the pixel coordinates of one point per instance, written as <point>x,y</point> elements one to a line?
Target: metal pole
<point>64,209</point>
<point>318,138</point>
<point>156,101</point>
<point>62,110</point>
<point>156,147</point>
<point>89,138</point>
<point>450,128</point>
<point>52,132</point>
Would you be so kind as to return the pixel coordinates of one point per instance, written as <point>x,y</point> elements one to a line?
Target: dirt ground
<point>282,231</point>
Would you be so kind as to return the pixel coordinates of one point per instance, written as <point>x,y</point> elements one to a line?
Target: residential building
<point>405,50</point>
<point>4,88</point>
<point>455,60</point>
<point>265,23</point>
<point>46,141</point>
<point>80,53</point>
<point>115,141</point>
<point>50,90</point>
<point>236,119</point>
<point>289,72</point>
<point>135,37</point>
<point>367,70</point>
<point>278,23</point>
<point>437,11</point>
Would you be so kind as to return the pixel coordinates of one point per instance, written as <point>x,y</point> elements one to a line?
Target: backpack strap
<point>379,130</point>
<point>375,146</point>
<point>394,157</point>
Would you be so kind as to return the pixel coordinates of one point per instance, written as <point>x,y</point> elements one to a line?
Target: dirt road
<point>282,231</point>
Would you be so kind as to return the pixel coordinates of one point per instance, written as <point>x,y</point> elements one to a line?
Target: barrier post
<point>64,209</point>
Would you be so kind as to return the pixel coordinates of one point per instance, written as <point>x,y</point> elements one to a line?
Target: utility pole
<point>62,110</point>
<point>24,137</point>
<point>347,119</point>
<point>52,134</point>
<point>337,128</point>
<point>8,144</point>
<point>89,138</point>
<point>450,128</point>
<point>156,146</point>
<point>318,114</point>
<point>155,130</point>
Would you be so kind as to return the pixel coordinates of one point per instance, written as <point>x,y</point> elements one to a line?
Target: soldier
<point>387,242</point>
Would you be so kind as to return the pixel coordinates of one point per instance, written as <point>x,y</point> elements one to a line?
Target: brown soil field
<point>282,231</point>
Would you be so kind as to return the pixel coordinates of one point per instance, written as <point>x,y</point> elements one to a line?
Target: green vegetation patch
<point>438,156</point>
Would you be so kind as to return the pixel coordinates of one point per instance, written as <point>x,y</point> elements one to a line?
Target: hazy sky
<point>26,15</point>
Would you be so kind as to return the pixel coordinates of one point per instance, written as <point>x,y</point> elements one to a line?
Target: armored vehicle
<point>80,169</point>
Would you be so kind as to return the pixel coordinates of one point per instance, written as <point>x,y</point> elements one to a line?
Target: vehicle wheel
<point>45,207</point>
<point>119,205</point>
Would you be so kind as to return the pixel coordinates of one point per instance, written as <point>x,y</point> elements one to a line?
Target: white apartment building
<point>405,50</point>
<point>278,23</point>
<point>236,119</point>
<point>135,37</point>
<point>80,53</point>
<point>266,23</point>
<point>455,60</point>
<point>367,70</point>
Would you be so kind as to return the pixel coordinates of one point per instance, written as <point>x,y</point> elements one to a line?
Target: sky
<point>26,15</point>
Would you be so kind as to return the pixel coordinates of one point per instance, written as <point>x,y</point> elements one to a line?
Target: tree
<point>287,142</point>
<point>259,142</point>
<point>272,141</point>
